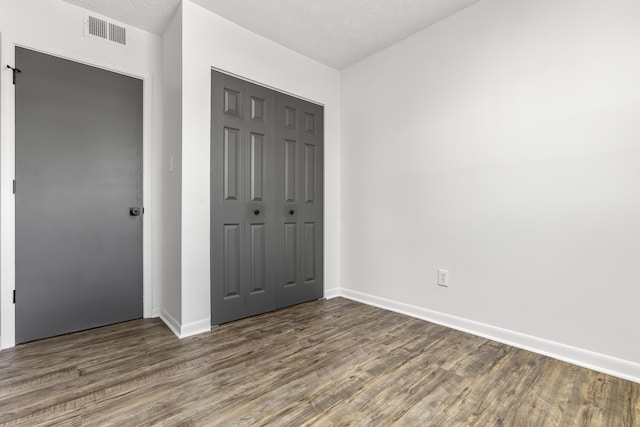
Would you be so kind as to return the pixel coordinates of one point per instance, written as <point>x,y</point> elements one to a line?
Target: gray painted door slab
<point>299,172</point>
<point>78,173</point>
<point>266,199</point>
<point>242,199</point>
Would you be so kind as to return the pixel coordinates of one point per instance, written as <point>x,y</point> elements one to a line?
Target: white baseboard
<point>170,321</point>
<point>331,293</point>
<point>577,356</point>
<point>195,328</point>
<point>184,331</point>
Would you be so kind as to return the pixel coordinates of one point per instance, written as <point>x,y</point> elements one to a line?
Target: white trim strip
<point>587,359</point>
<point>195,328</point>
<point>331,293</point>
<point>170,321</point>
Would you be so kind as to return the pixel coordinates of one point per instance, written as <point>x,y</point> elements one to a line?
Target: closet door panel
<point>299,154</point>
<point>242,199</point>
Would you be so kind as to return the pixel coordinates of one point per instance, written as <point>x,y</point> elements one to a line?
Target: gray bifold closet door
<point>266,199</point>
<point>78,196</point>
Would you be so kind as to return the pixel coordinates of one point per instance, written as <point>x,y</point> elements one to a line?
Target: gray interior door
<point>299,172</point>
<point>243,232</point>
<point>78,176</point>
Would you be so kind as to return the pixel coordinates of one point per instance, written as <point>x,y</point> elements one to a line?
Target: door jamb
<point>7,175</point>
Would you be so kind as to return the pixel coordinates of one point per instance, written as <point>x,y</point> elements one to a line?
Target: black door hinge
<point>15,71</point>
<point>14,296</point>
<point>14,186</point>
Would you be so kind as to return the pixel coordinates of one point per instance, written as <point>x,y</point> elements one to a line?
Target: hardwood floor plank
<point>334,362</point>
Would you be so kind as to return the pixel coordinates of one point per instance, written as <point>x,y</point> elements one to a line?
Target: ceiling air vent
<point>96,26</point>
<point>117,34</point>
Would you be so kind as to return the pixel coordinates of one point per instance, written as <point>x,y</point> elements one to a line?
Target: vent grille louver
<point>117,34</point>
<point>97,27</point>
<point>103,29</point>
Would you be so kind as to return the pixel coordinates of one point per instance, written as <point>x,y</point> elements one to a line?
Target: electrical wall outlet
<point>443,278</point>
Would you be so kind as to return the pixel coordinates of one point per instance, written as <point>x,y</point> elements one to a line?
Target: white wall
<point>1,235</point>
<point>503,144</point>
<point>211,41</point>
<point>171,171</point>
<point>56,27</point>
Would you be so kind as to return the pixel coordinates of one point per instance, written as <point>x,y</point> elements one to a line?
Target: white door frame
<point>7,175</point>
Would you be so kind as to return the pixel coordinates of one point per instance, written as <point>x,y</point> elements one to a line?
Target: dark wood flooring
<point>334,362</point>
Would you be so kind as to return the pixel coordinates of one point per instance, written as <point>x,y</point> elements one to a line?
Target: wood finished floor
<point>334,362</point>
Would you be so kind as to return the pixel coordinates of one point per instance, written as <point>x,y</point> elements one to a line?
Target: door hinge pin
<point>14,296</point>
<point>15,71</point>
<point>14,186</point>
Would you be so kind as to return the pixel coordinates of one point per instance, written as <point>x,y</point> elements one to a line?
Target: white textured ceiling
<point>337,33</point>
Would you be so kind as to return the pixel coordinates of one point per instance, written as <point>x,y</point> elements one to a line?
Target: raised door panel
<point>290,254</point>
<point>309,123</point>
<point>290,117</point>
<point>232,102</point>
<point>231,163</point>
<point>258,178</point>
<point>309,173</point>
<point>290,170</point>
<point>309,245</point>
<point>258,258</point>
<point>258,109</point>
<point>232,259</point>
